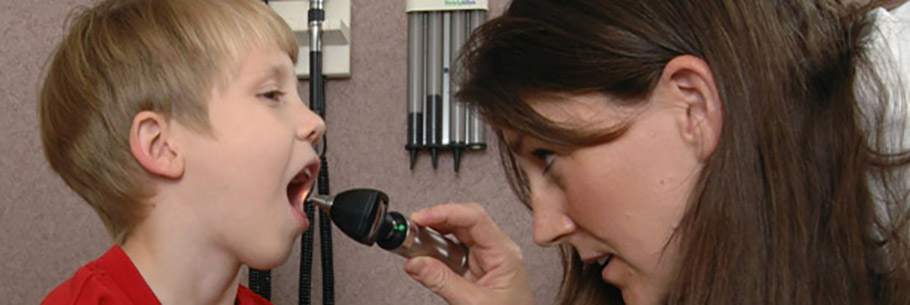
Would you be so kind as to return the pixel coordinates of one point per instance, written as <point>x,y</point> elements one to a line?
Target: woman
<point>690,152</point>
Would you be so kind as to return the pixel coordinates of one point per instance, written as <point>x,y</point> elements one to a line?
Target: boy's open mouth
<point>299,187</point>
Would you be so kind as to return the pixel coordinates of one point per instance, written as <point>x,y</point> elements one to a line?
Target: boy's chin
<point>269,258</point>
<point>268,253</point>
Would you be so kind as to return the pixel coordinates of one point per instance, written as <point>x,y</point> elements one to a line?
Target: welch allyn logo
<point>461,2</point>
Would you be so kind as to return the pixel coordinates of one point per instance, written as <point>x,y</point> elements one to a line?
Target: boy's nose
<point>311,127</point>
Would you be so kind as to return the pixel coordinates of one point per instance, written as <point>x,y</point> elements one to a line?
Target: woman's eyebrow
<point>516,145</point>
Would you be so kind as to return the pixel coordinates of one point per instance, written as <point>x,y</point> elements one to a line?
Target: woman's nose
<point>551,225</point>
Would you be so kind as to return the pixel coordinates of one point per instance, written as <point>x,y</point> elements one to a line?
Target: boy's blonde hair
<point>124,57</point>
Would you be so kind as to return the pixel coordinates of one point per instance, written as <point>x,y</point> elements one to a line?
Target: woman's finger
<point>468,222</point>
<point>434,275</point>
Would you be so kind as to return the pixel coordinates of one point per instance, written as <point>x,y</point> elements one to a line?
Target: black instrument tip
<point>413,157</point>
<point>457,156</point>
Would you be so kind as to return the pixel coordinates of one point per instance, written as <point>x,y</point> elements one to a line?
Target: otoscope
<point>363,215</point>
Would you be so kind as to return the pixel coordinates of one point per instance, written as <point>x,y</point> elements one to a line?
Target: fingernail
<point>418,216</point>
<point>415,267</point>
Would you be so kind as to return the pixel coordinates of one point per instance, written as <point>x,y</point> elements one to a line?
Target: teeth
<point>308,173</point>
<point>604,259</point>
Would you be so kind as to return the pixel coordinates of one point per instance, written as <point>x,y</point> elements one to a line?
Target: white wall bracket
<point>446,5</point>
<point>336,35</point>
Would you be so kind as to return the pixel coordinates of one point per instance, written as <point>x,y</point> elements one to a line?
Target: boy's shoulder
<point>111,279</point>
<point>245,296</point>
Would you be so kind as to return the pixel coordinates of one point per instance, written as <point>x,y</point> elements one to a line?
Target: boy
<point>179,122</point>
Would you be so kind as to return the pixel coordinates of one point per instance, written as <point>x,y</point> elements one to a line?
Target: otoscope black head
<point>359,213</point>
<point>393,231</point>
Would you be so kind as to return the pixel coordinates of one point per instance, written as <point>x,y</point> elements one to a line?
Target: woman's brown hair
<point>787,209</point>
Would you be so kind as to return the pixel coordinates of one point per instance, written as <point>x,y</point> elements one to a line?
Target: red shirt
<point>113,279</point>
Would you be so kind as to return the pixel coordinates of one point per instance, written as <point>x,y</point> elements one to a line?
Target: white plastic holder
<point>336,35</point>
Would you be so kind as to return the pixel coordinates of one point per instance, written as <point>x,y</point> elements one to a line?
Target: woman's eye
<point>274,95</point>
<point>545,156</point>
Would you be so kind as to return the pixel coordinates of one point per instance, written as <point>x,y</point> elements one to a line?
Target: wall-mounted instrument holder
<point>437,29</point>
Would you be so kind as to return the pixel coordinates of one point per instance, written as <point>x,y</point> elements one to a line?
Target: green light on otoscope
<point>400,227</point>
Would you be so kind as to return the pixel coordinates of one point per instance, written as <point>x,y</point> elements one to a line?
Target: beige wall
<point>47,232</point>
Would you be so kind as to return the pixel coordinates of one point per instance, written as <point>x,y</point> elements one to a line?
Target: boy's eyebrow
<point>275,70</point>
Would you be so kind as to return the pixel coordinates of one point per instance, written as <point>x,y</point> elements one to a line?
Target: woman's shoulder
<point>894,26</point>
<point>889,45</point>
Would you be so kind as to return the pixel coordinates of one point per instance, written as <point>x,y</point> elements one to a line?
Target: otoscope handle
<point>409,240</point>
<point>363,215</point>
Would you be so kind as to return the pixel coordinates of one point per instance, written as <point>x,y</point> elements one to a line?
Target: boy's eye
<point>545,156</point>
<point>274,95</point>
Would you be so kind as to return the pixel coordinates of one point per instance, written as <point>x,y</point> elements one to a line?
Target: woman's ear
<point>689,82</point>
<point>154,147</point>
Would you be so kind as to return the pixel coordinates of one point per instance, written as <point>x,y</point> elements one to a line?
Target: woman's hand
<point>496,272</point>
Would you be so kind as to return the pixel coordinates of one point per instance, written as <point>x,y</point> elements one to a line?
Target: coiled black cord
<point>325,238</point>
<point>306,258</point>
<point>315,16</point>
<point>260,282</point>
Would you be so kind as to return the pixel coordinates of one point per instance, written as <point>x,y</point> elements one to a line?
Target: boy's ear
<point>690,81</point>
<point>153,145</point>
